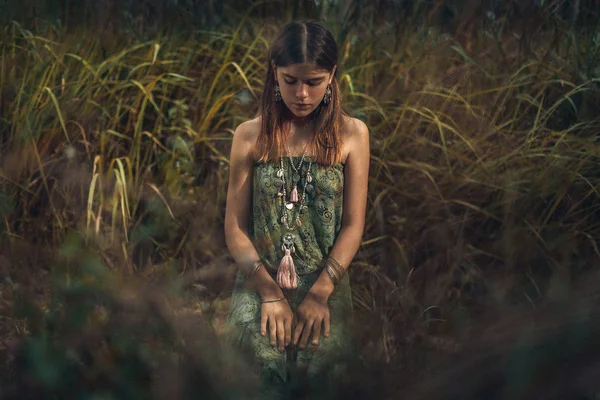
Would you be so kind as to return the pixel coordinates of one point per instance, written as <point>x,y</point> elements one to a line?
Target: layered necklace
<point>287,205</point>
<point>286,273</point>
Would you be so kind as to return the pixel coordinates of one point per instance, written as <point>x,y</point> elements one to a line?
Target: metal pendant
<point>288,242</point>
<point>296,178</point>
<point>289,205</point>
<point>310,188</point>
<point>280,173</point>
<point>309,178</point>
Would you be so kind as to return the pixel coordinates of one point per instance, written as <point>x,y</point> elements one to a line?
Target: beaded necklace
<point>289,205</point>
<point>286,273</point>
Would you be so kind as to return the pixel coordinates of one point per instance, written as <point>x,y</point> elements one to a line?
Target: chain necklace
<point>289,205</point>
<point>286,273</point>
<point>297,170</point>
<point>294,198</point>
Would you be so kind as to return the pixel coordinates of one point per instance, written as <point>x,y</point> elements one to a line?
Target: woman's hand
<point>277,317</point>
<point>311,316</point>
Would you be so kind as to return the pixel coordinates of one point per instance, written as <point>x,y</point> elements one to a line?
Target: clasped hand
<point>312,316</point>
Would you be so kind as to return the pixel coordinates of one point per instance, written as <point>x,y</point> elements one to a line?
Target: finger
<point>280,334</point>
<point>288,330</point>
<point>297,331</point>
<point>263,323</point>
<point>327,323</point>
<point>306,333</point>
<point>273,331</point>
<point>316,332</point>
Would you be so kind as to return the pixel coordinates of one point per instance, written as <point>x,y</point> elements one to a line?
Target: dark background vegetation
<point>478,277</point>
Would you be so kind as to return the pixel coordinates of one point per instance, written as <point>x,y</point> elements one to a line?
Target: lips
<point>302,105</point>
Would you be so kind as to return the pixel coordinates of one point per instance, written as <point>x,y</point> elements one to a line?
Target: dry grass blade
<point>153,187</point>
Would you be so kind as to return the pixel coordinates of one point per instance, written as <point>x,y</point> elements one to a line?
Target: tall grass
<point>482,214</point>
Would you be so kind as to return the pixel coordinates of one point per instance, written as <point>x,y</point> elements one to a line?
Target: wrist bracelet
<point>335,263</point>
<point>336,267</point>
<point>332,274</point>
<point>273,301</point>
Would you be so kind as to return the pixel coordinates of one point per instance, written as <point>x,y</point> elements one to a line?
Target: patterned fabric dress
<point>315,239</point>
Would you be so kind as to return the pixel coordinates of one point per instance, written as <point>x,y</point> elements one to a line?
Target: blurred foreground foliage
<point>478,275</point>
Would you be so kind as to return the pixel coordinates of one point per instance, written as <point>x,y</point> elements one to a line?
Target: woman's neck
<point>298,123</point>
<point>301,122</point>
<point>299,131</point>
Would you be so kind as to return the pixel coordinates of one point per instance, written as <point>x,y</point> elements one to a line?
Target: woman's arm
<point>356,177</point>
<point>313,313</point>
<point>277,316</point>
<point>237,210</point>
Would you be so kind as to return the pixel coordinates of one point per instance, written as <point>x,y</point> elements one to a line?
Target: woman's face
<point>302,86</point>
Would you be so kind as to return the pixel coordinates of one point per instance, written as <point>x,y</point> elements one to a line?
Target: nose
<point>302,92</point>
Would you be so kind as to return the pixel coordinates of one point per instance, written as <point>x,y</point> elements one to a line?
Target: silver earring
<point>277,93</point>
<point>327,97</point>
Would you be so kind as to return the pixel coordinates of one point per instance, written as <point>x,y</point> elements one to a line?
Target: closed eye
<point>310,83</point>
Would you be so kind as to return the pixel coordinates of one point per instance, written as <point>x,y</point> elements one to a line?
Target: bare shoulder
<point>355,136</point>
<point>248,131</point>
<point>245,138</point>
<point>354,128</point>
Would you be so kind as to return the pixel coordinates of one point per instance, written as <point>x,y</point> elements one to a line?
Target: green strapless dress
<point>315,238</point>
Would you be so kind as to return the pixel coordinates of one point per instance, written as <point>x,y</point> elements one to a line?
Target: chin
<point>301,113</point>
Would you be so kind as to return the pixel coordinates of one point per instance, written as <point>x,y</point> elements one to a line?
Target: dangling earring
<point>327,97</point>
<point>277,93</point>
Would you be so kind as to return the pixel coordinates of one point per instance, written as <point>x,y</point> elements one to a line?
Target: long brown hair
<point>302,42</point>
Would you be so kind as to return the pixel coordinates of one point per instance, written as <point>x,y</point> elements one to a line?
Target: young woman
<point>295,211</point>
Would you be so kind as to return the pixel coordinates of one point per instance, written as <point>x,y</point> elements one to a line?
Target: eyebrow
<point>311,79</point>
